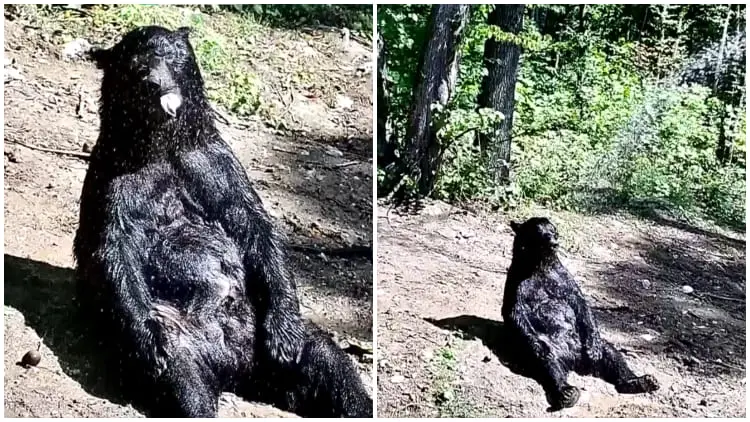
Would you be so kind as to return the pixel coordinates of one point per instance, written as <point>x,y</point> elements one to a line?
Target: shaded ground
<point>441,348</point>
<point>315,178</point>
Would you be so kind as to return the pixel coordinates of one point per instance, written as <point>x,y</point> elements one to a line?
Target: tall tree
<point>434,84</point>
<point>722,149</point>
<point>499,85</point>
<point>384,149</point>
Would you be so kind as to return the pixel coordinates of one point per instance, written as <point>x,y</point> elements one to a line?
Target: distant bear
<point>546,314</point>
<point>179,261</point>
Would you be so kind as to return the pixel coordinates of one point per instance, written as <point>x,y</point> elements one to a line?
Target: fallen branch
<point>275,148</point>
<point>77,154</point>
<point>220,116</point>
<point>732,299</point>
<point>281,97</point>
<point>362,40</point>
<point>729,366</point>
<point>347,164</point>
<point>327,166</point>
<point>77,8</point>
<point>347,252</point>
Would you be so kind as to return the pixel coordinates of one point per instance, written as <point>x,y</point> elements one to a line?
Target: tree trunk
<point>435,83</point>
<point>385,149</point>
<point>581,51</point>
<point>499,86</point>
<point>722,149</point>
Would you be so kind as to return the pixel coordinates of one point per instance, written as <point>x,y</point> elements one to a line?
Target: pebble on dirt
<point>31,358</point>
<point>12,74</point>
<point>397,379</point>
<point>76,49</point>
<point>343,102</point>
<point>334,152</point>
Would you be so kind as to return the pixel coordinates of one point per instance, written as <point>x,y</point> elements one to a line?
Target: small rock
<point>446,233</point>
<point>309,51</point>
<point>86,148</point>
<point>344,102</point>
<point>647,337</point>
<point>31,358</point>
<point>703,403</point>
<point>446,395</point>
<point>687,289</point>
<point>333,152</point>
<point>76,49</point>
<point>396,379</point>
<point>12,74</point>
<point>646,284</point>
<point>486,359</point>
<point>467,235</point>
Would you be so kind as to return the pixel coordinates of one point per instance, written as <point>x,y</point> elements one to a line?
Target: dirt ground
<point>441,273</point>
<point>314,176</point>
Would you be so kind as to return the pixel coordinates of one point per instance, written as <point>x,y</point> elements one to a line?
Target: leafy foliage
<point>600,120</point>
<point>356,17</point>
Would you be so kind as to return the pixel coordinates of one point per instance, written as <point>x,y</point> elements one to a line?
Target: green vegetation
<point>443,367</point>
<point>601,120</point>
<point>222,37</point>
<point>355,17</point>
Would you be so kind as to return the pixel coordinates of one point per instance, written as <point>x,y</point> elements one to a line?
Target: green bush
<point>598,122</point>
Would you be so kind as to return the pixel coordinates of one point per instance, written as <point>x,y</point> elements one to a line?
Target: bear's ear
<point>184,32</point>
<point>101,56</point>
<point>515,226</point>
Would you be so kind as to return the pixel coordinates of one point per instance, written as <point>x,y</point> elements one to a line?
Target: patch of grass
<point>444,390</point>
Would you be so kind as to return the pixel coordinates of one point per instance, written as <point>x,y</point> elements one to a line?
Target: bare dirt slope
<point>315,179</point>
<point>441,274</point>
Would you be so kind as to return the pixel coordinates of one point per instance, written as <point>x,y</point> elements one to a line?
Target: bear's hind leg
<point>613,369</point>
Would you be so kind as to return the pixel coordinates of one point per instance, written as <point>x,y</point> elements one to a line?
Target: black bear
<point>178,259</point>
<point>547,315</point>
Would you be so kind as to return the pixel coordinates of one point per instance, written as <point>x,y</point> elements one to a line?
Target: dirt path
<point>440,284</point>
<point>315,179</point>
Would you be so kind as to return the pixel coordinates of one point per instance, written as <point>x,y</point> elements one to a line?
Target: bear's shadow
<point>493,334</point>
<point>45,295</point>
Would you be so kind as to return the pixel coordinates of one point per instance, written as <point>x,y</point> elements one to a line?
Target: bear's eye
<point>165,54</point>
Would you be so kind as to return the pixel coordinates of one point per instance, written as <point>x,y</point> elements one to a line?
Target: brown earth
<point>441,273</point>
<point>315,178</point>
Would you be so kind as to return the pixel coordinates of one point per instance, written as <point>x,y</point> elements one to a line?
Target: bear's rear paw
<point>567,397</point>
<point>644,384</point>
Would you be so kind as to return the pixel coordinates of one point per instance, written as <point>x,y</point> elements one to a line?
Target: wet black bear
<point>546,313</point>
<point>178,258</point>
